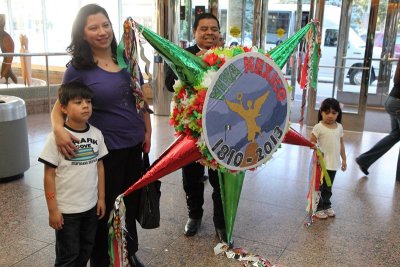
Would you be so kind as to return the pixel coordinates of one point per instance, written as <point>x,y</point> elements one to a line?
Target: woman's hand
<point>147,142</point>
<point>64,142</point>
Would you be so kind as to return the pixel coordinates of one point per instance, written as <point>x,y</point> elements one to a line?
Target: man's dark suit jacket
<point>170,76</point>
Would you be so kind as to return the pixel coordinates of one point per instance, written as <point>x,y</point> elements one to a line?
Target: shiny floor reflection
<point>270,218</point>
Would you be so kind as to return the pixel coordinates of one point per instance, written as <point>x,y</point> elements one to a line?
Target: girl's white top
<point>329,143</point>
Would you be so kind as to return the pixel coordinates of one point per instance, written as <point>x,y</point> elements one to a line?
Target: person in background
<point>392,106</point>
<point>221,41</point>
<point>126,131</point>
<point>328,135</point>
<point>234,42</point>
<point>206,31</point>
<point>74,188</point>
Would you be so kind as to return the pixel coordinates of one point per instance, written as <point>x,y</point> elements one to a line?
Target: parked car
<point>280,26</point>
<point>378,42</point>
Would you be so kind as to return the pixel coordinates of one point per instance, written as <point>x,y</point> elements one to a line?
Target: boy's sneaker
<point>330,212</point>
<point>321,215</point>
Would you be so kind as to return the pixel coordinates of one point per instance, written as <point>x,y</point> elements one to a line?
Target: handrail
<point>373,59</point>
<point>35,54</point>
<point>44,54</point>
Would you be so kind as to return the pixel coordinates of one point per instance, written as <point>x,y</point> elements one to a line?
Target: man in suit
<point>206,32</point>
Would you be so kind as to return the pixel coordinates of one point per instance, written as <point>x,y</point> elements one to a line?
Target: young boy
<point>74,187</point>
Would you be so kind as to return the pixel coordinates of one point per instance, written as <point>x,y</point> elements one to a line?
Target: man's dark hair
<point>72,90</point>
<point>204,16</point>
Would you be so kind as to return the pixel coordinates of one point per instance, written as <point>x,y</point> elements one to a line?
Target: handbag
<point>148,214</point>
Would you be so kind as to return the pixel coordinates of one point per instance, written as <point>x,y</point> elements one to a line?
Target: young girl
<point>328,134</point>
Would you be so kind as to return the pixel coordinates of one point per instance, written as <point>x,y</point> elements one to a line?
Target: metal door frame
<point>353,121</point>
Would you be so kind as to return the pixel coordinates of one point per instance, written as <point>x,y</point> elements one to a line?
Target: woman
<point>127,132</point>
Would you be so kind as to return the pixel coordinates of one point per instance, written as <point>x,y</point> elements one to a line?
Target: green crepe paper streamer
<point>323,167</point>
<point>111,236</point>
<point>231,187</point>
<point>281,53</point>
<point>120,55</point>
<point>237,51</point>
<point>314,60</point>
<point>189,68</point>
<point>196,114</point>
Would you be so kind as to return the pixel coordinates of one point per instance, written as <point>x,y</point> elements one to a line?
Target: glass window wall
<point>47,24</point>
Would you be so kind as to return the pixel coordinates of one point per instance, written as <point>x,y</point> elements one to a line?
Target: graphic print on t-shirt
<point>85,150</point>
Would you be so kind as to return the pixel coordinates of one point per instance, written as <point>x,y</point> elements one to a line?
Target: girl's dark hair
<point>327,105</point>
<point>72,90</point>
<point>82,57</point>
<point>204,16</point>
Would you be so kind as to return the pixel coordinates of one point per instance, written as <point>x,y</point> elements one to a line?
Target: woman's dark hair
<point>72,90</point>
<point>327,105</point>
<point>82,57</point>
<point>204,16</point>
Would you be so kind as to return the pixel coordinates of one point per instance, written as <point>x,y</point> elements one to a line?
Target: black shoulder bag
<point>148,214</point>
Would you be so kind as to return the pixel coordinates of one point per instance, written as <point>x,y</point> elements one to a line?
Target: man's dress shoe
<point>192,226</point>
<point>134,261</point>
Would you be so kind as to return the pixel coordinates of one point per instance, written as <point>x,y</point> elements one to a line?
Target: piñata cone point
<point>295,138</point>
<point>180,153</point>
<point>188,67</point>
<point>231,188</point>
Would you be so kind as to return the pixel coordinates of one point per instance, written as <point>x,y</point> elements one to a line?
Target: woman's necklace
<point>107,64</point>
<point>103,63</point>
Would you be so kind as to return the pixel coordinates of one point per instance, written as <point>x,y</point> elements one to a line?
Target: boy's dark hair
<point>72,90</point>
<point>204,16</point>
<point>328,104</point>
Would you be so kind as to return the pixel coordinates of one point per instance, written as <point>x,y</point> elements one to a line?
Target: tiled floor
<point>270,219</point>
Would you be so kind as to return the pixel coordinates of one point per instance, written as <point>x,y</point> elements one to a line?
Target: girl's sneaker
<point>321,215</point>
<point>330,212</point>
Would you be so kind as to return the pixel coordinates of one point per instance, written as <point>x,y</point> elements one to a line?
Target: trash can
<point>14,149</point>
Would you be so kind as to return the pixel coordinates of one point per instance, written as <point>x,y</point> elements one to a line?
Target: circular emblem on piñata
<point>246,111</point>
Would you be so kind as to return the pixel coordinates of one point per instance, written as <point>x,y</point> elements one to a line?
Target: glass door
<point>362,68</point>
<point>346,69</point>
<point>387,42</point>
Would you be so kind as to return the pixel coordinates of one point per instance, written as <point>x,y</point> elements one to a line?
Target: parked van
<point>378,42</point>
<point>281,24</point>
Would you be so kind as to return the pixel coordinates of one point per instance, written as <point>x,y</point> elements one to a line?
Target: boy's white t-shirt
<point>76,178</point>
<point>329,143</point>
